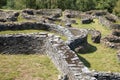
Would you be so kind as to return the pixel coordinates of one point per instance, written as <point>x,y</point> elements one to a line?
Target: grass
<point>20,31</point>
<point>27,67</point>
<point>99,57</point>
<point>95,25</point>
<point>31,31</point>
<point>102,59</point>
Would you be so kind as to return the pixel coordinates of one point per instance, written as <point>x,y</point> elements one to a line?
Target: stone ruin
<point>65,59</point>
<point>112,40</point>
<point>61,53</point>
<point>118,55</point>
<point>8,16</point>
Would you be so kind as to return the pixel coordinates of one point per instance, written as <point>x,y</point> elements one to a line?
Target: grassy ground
<point>99,57</point>
<point>20,31</point>
<point>96,25</point>
<point>31,31</point>
<point>27,67</point>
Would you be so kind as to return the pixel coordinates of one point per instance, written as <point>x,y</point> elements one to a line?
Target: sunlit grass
<point>27,67</point>
<point>20,31</point>
<point>103,59</point>
<point>31,31</point>
<point>95,25</point>
<point>99,57</point>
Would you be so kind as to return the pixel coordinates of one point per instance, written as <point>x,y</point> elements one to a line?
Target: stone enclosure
<point>62,53</point>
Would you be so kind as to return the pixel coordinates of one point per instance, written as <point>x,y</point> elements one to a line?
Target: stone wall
<point>8,16</point>
<point>66,60</point>
<point>23,26</point>
<point>49,12</point>
<point>82,37</point>
<point>79,43</point>
<point>22,43</point>
<point>105,22</point>
<point>107,76</point>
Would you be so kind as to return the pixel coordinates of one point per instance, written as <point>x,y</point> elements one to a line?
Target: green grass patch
<point>102,59</point>
<point>31,31</point>
<point>27,67</point>
<point>99,57</point>
<point>95,25</point>
<point>20,31</point>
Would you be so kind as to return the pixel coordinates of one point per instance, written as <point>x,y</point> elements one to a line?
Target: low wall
<point>65,60</point>
<point>81,38</point>
<point>105,22</point>
<point>107,76</point>
<point>22,43</point>
<point>23,26</point>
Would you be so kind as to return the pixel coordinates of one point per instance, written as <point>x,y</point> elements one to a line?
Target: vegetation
<point>95,25</point>
<point>117,8</point>
<point>99,57</point>
<point>27,67</point>
<point>30,31</point>
<point>82,5</point>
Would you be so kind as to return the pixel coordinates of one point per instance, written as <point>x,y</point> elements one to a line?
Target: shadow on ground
<point>85,62</point>
<point>89,49</point>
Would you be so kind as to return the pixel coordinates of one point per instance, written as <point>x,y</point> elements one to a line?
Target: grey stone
<point>86,21</point>
<point>118,55</point>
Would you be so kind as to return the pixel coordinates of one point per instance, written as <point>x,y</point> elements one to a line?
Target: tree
<point>85,5</point>
<point>117,8</point>
<point>2,3</point>
<point>10,4</point>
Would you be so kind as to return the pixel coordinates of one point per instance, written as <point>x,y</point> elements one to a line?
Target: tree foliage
<point>83,5</point>
<point>117,8</point>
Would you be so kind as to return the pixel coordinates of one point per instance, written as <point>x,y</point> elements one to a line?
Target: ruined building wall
<point>22,43</point>
<point>65,60</point>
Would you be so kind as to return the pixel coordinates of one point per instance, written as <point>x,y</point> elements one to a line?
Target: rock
<point>95,36</point>
<point>115,26</point>
<point>8,16</point>
<point>86,21</point>
<point>13,16</point>
<point>3,20</point>
<point>73,21</point>
<point>110,18</point>
<point>56,15</point>
<point>118,55</point>
<point>68,25</point>
<point>28,11</point>
<point>116,33</point>
<point>65,77</point>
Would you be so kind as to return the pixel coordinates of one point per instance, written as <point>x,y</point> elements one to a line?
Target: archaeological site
<point>58,36</point>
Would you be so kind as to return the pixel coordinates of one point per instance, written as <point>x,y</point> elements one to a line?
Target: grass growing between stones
<point>31,31</point>
<point>27,67</point>
<point>103,59</point>
<point>20,31</point>
<point>99,57</point>
<point>95,25</point>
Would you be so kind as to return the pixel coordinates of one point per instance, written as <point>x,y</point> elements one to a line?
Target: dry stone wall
<point>67,61</point>
<point>61,55</point>
<point>71,65</point>
<point>22,43</point>
<point>8,16</point>
<point>82,37</point>
<point>106,76</point>
<point>23,26</point>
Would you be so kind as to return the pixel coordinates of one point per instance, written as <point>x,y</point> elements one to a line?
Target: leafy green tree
<point>2,3</point>
<point>85,5</point>
<point>117,8</point>
<point>10,4</point>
